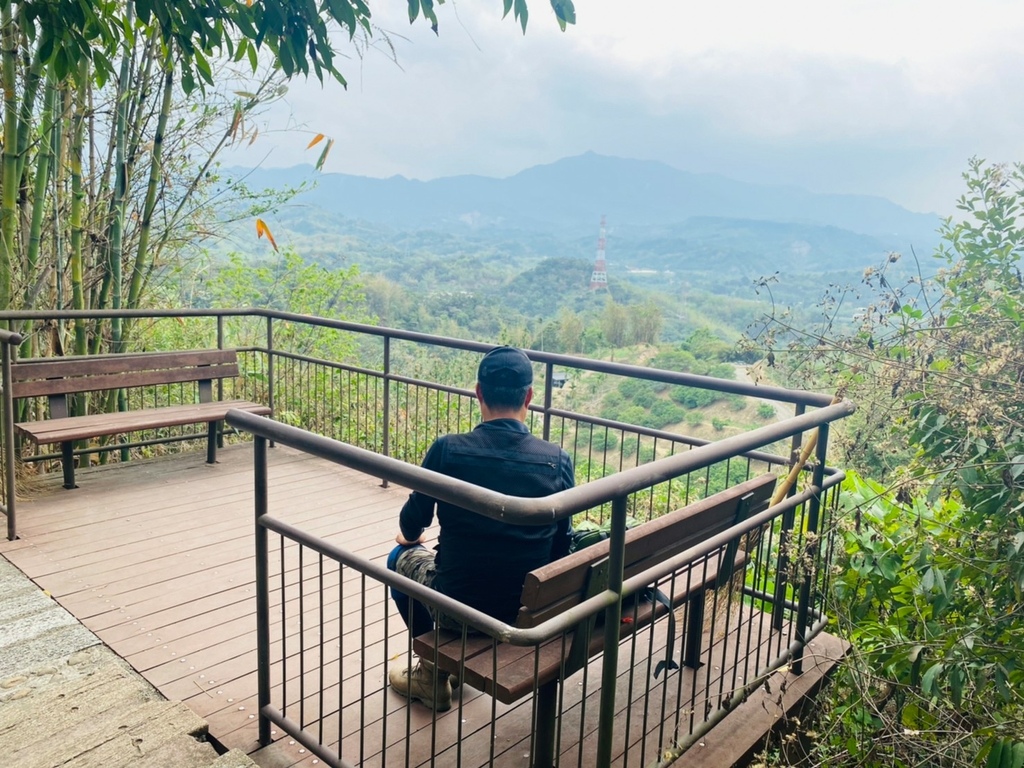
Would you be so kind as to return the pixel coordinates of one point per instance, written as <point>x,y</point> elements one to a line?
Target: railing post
<point>612,622</point>
<point>270,367</point>
<point>262,589</point>
<point>785,536</point>
<point>9,476</point>
<point>386,436</point>
<point>220,345</point>
<point>549,372</point>
<point>810,554</point>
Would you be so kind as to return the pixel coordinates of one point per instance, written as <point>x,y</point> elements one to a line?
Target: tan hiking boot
<point>418,683</point>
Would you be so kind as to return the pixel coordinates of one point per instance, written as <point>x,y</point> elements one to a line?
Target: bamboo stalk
<point>9,196</point>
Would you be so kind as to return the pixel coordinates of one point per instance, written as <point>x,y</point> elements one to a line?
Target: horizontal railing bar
<point>296,731</point>
<point>797,397</point>
<point>696,442</point>
<point>318,361</point>
<point>489,625</point>
<point>9,337</point>
<point>461,391</point>
<point>533,511</point>
<point>792,605</point>
<point>720,713</point>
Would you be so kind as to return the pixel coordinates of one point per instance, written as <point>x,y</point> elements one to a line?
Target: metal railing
<point>761,619</point>
<point>373,399</point>
<point>313,372</point>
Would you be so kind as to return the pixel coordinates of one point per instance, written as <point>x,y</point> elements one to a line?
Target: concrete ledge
<point>67,699</point>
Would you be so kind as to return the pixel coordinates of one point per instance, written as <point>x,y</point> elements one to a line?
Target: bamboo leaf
<point>316,140</point>
<point>565,12</point>
<point>522,13</point>
<point>323,155</point>
<point>263,230</point>
<point>236,123</point>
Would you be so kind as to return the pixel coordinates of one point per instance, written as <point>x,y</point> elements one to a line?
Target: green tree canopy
<point>297,32</point>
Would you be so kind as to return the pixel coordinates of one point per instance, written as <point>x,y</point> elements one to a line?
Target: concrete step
<point>68,700</point>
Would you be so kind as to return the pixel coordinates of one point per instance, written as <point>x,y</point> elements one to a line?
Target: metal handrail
<point>782,394</point>
<point>533,511</point>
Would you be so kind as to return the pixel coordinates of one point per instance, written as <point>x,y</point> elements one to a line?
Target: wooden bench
<point>509,673</point>
<point>56,378</point>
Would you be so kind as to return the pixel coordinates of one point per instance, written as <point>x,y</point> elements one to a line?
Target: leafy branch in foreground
<point>931,585</point>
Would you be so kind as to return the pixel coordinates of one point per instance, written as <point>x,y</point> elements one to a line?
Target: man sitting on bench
<point>479,561</point>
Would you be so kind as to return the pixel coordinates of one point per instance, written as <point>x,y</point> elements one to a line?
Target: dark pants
<point>417,563</point>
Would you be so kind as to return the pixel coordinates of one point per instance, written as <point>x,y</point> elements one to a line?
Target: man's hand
<point>403,542</point>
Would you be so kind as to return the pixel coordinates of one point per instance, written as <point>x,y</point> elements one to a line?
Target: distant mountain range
<point>643,200</point>
<point>567,197</point>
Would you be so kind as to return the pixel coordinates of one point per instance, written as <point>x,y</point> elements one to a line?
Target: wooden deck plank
<point>156,557</point>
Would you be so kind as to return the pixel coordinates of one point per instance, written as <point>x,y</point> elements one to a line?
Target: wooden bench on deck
<point>511,672</point>
<point>56,378</point>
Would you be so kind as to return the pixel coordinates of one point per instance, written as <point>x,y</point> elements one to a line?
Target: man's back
<point>481,561</point>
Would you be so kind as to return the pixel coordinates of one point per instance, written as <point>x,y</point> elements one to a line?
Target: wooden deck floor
<point>156,557</point>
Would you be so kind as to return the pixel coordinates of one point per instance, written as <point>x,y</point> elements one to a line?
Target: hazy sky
<point>886,97</point>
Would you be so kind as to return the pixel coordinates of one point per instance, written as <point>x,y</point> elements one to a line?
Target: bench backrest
<point>558,586</point>
<point>56,376</point>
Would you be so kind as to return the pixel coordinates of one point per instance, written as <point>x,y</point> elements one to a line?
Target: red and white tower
<point>599,277</point>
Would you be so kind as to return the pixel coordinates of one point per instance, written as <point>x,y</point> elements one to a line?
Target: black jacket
<point>480,561</point>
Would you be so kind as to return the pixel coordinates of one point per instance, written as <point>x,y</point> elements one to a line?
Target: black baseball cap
<point>505,367</point>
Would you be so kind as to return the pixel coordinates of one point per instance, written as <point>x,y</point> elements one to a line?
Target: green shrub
<point>604,439</point>
<point>665,413</point>
<point>635,415</point>
<point>678,360</point>
<point>691,397</point>
<point>736,402</point>
<point>766,411</point>
<point>639,392</point>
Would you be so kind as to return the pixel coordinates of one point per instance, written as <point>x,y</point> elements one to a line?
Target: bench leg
<point>694,631</point>
<point>547,712</point>
<point>211,443</point>
<point>67,462</point>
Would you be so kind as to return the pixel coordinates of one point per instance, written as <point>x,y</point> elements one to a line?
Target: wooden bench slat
<point>103,424</point>
<point>96,365</point>
<point>516,665</point>
<point>72,384</point>
<point>646,545</point>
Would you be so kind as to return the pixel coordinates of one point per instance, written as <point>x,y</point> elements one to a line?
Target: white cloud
<point>875,96</point>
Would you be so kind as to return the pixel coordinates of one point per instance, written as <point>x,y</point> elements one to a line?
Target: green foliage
<point>933,633</point>
<point>645,322</point>
<point>691,397</point>
<point>298,34</point>
<point>285,282</point>
<point>604,439</point>
<point>615,324</point>
<point>931,583</point>
<point>639,391</point>
<point>766,411</point>
<point>665,413</point>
